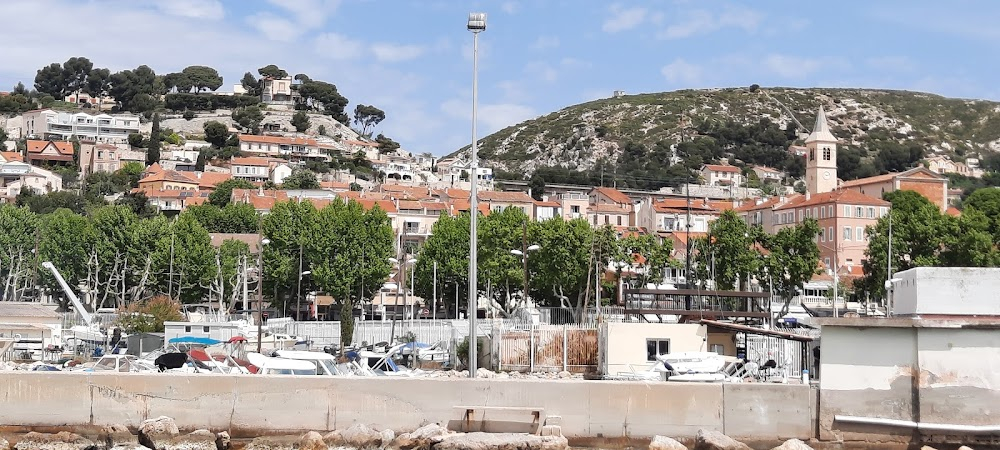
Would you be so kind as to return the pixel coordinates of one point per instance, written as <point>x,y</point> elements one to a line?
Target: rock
<point>564,374</point>
<point>63,440</point>
<point>223,441</point>
<point>358,435</point>
<point>665,443</point>
<point>196,440</point>
<point>154,433</point>
<point>714,440</point>
<point>4,445</point>
<point>422,438</point>
<point>794,444</point>
<point>485,373</point>
<point>118,435</point>
<point>129,447</point>
<point>964,448</point>
<point>387,437</point>
<point>273,443</point>
<point>312,441</point>
<point>501,441</point>
<point>503,375</point>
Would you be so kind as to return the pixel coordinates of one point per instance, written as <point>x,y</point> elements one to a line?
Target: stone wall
<point>253,405</point>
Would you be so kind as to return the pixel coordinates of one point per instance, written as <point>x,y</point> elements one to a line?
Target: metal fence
<point>530,347</point>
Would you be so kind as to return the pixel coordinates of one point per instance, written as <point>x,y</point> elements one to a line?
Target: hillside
<point>634,137</point>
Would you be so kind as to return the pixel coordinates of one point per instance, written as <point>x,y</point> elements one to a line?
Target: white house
<point>251,168</point>
<point>15,175</point>
<point>768,175</point>
<point>49,124</point>
<point>722,175</point>
<point>280,172</point>
<point>281,146</point>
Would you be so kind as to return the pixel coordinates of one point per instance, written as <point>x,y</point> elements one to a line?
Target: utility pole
<point>260,291</point>
<point>435,293</point>
<point>170,282</point>
<point>524,260</point>
<point>888,269</point>
<point>836,280</point>
<point>687,246</point>
<point>298,289</point>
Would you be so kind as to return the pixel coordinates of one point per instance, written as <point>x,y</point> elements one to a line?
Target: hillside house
<point>294,147</point>
<point>499,201</point>
<point>547,209</point>
<point>159,179</point>
<point>922,180</point>
<point>671,214</point>
<point>252,169</point>
<point>55,153</point>
<point>721,175</point>
<point>16,175</point>
<point>768,174</point>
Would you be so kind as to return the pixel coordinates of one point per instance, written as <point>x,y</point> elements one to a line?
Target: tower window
<point>826,154</point>
<point>812,154</point>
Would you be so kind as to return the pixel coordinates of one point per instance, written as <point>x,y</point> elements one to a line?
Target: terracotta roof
<point>464,205</point>
<point>280,140</point>
<point>766,204</point>
<point>410,204</point>
<point>613,194</point>
<point>12,156</point>
<point>335,185</point>
<point>406,192</point>
<point>766,169</point>
<point>168,175</point>
<point>506,197</point>
<point>456,193</point>
<point>953,211</point>
<point>63,147</point>
<point>154,168</point>
<point>682,236</point>
<point>258,200</point>
<point>840,196</point>
<point>249,161</point>
<point>547,204</point>
<point>211,179</point>
<point>869,180</point>
<point>721,205</point>
<point>681,205</point>
<point>722,168</point>
<point>386,205</point>
<point>435,206</point>
<point>608,208</point>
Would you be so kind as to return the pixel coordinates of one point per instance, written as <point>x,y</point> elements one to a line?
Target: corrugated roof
<point>25,309</point>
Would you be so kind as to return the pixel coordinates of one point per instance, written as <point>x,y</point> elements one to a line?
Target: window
<point>859,212</point>
<point>575,209</point>
<point>619,220</point>
<point>826,261</point>
<point>883,211</point>
<point>871,212</point>
<point>826,154</point>
<point>812,154</point>
<point>717,348</point>
<point>847,233</point>
<point>830,213</point>
<point>656,347</point>
<point>859,234</point>
<point>187,329</point>
<point>814,213</point>
<point>847,211</point>
<point>205,329</point>
<point>822,236</point>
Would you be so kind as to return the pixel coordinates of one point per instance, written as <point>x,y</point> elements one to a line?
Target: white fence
<point>530,347</point>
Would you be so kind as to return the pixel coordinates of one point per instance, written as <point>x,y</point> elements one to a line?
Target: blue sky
<point>413,59</point>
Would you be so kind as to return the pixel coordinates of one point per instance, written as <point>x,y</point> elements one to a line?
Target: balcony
<point>696,304</point>
<point>415,231</point>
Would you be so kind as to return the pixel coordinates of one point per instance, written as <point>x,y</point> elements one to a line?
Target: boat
<point>120,363</point>
<point>326,364</point>
<point>267,365</point>
<point>381,363</point>
<point>703,367</point>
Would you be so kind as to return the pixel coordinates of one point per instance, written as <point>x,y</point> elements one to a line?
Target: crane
<point>77,305</point>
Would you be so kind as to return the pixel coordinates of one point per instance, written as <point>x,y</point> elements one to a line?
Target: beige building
<point>943,165</point>
<point>499,201</point>
<point>16,175</point>
<point>672,214</point>
<point>280,146</point>
<point>250,168</point>
<point>922,180</point>
<point>821,161</point>
<point>101,157</point>
<point>574,205</point>
<point>50,124</point>
<point>633,347</point>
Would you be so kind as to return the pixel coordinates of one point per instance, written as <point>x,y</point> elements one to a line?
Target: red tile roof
<point>63,147</point>
<point>172,176</point>
<point>12,156</point>
<point>608,208</point>
<point>768,203</point>
<point>613,194</point>
<point>547,204</point>
<point>953,211</point>
<point>869,180</point>
<point>211,179</point>
<point>722,168</point>
<point>249,161</point>
<point>681,205</point>
<point>840,196</point>
<point>280,140</point>
<point>505,197</point>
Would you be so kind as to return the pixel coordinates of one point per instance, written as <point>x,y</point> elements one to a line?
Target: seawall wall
<point>251,405</point>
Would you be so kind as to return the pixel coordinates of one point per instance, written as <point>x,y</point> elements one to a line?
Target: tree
<point>536,185</point>
<point>194,265</point>
<point>148,316</point>
<point>136,90</point>
<point>17,243</point>
<point>448,245</point>
<point>98,83</point>
<point>19,89</point>
<point>367,117</point>
<point>136,140</point>
<point>729,248</point>
<point>918,238</point>
<point>301,179</point>
<point>66,239</point>
<point>502,232</point>
<point>325,94</point>
<point>44,204</point>
<point>558,269</point>
<point>300,120</point>
<point>650,253</point>
<point>153,150</point>
<point>986,202</point>
<point>385,144</point>
<point>271,71</point>
<point>216,133</point>
<point>51,80</point>
<point>203,78</point>
<point>232,218</point>
<point>791,259</point>
<point>75,73</point>
<point>347,249</point>
<point>287,226</point>
<point>138,204</point>
<point>232,254</point>
<point>250,84</point>
<point>224,191</point>
<point>248,119</point>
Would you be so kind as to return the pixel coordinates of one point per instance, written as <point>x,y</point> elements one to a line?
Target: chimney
<point>808,195</point>
<point>260,190</point>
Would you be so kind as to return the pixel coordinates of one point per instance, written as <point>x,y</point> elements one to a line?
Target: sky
<point>414,59</point>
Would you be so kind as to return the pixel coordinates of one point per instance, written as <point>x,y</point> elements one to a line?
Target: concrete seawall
<point>253,405</point>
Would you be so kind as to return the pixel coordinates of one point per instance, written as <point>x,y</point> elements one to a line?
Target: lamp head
<point>534,247</point>
<point>265,241</point>
<point>393,260</point>
<point>477,22</point>
<point>516,252</point>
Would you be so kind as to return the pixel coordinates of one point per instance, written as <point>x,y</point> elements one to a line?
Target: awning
<point>758,331</point>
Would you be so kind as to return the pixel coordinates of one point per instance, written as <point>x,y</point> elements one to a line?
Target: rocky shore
<point>162,433</point>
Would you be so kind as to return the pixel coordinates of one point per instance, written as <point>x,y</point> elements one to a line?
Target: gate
<point>545,348</point>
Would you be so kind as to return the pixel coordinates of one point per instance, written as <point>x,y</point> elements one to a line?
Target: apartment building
<point>50,124</point>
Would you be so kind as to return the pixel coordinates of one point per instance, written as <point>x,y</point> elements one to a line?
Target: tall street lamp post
<point>476,24</point>
<point>260,290</point>
<point>298,295</point>
<point>524,261</point>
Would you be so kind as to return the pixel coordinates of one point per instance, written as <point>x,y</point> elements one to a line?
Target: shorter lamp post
<point>260,290</point>
<point>298,296</point>
<point>524,260</point>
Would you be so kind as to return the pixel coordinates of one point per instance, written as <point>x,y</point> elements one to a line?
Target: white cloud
<point>700,22</point>
<point>545,43</point>
<point>396,52</point>
<point>338,47</point>
<point>275,28</point>
<point>795,67</point>
<point>623,19</point>
<point>308,13</point>
<point>510,7</point>
<point>682,72</point>
<point>195,9</point>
